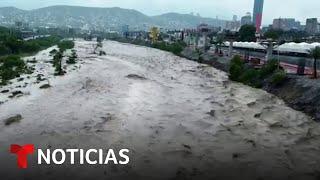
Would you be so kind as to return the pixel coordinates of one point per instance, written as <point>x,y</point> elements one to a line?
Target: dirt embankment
<point>299,92</point>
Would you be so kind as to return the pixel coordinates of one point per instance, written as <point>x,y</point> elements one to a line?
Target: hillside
<point>99,18</point>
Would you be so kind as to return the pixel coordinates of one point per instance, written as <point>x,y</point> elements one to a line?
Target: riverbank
<point>299,92</point>
<point>179,119</point>
<point>41,75</point>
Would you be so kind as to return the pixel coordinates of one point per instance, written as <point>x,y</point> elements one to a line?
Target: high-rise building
<point>233,25</point>
<point>247,19</point>
<point>257,14</point>
<point>286,24</point>
<point>312,26</point>
<point>235,18</point>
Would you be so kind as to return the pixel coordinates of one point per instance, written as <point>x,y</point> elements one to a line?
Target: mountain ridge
<point>100,18</point>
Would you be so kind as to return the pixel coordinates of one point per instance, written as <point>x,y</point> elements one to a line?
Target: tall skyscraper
<point>235,18</point>
<point>286,24</point>
<point>257,14</point>
<point>312,26</point>
<point>247,19</point>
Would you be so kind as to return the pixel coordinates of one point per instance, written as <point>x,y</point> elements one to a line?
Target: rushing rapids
<point>180,120</point>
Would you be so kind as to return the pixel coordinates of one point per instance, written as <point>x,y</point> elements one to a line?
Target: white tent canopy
<point>297,47</point>
<point>287,47</point>
<point>252,45</point>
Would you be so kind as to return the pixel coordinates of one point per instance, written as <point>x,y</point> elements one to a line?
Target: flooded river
<point>178,118</point>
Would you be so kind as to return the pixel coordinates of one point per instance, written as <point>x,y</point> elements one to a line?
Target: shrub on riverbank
<point>57,63</point>
<point>58,56</point>
<point>72,59</point>
<point>278,77</point>
<point>9,45</point>
<point>11,67</point>
<point>176,47</point>
<point>64,45</point>
<point>244,73</point>
<point>236,68</point>
<point>36,45</point>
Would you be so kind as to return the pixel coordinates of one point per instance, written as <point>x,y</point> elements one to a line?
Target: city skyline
<point>223,10</point>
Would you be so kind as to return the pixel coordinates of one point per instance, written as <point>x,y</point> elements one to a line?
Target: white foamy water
<point>176,116</point>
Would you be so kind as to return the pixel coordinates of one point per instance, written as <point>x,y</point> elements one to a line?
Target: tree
<point>154,34</point>
<point>72,58</point>
<point>53,52</point>
<point>236,68</point>
<point>273,34</point>
<point>13,44</point>
<point>315,54</point>
<point>98,46</point>
<point>30,47</point>
<point>4,50</point>
<point>64,45</point>
<point>218,42</point>
<point>11,67</point>
<point>57,63</point>
<point>247,33</point>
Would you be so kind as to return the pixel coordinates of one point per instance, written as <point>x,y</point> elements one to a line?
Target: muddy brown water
<point>180,120</point>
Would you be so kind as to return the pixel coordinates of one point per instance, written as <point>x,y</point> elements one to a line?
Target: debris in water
<point>251,104</point>
<point>186,146</point>
<point>40,77</point>
<point>135,76</point>
<point>236,155</point>
<point>108,118</point>
<point>13,119</point>
<point>257,115</point>
<point>15,94</point>
<point>45,86</point>
<point>212,113</point>
<point>5,91</point>
<point>250,141</point>
<point>276,125</point>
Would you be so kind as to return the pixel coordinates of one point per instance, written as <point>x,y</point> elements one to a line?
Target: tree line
<point>12,48</point>
<point>11,43</point>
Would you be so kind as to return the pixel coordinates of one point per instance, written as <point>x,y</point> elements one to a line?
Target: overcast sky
<point>224,9</point>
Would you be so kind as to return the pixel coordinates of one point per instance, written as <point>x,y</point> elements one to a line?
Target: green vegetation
<point>315,54</point>
<point>12,47</point>
<point>53,52</point>
<point>11,67</point>
<point>99,46</point>
<point>273,34</point>
<point>72,58</point>
<point>278,77</point>
<point>241,72</point>
<point>57,63</point>
<point>236,68</point>
<point>292,35</point>
<point>218,42</point>
<point>64,45</point>
<point>176,48</point>
<point>10,44</point>
<point>58,56</point>
<point>247,33</point>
